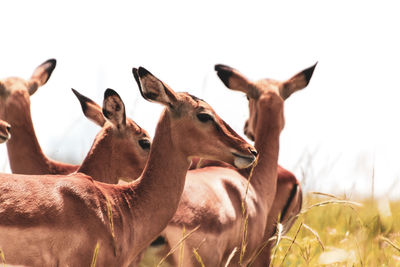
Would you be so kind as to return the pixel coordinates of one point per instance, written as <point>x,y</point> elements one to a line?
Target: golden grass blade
<point>111,221</point>
<point>324,194</point>
<point>291,244</point>
<point>387,240</point>
<point>231,257</point>
<point>182,248</point>
<point>95,253</point>
<point>315,234</point>
<point>2,257</point>
<point>245,215</point>
<point>177,245</point>
<point>198,258</point>
<point>324,203</point>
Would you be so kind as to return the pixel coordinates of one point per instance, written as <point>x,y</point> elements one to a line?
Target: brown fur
<point>58,222</point>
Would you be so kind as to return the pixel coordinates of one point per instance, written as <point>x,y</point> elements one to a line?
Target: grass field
<point>333,231</point>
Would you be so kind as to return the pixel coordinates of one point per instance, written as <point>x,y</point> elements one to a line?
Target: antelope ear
<point>153,89</point>
<point>90,108</point>
<point>297,82</point>
<point>234,80</point>
<point>114,108</point>
<point>41,75</point>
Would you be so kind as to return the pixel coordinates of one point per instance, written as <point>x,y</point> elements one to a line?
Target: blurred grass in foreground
<point>334,232</point>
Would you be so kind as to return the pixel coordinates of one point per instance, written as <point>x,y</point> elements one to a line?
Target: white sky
<point>344,124</point>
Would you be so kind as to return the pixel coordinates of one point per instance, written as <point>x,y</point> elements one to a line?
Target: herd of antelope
<point>196,173</point>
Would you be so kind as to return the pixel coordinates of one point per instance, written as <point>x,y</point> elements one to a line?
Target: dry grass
<point>331,231</point>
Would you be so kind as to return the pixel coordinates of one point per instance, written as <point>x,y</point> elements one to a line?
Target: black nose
<point>254,152</point>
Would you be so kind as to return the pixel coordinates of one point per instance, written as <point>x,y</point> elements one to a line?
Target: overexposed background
<point>341,131</point>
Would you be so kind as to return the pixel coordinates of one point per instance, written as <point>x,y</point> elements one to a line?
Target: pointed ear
<point>297,82</point>
<point>91,109</point>
<point>153,89</point>
<point>234,80</point>
<point>114,108</point>
<point>41,75</point>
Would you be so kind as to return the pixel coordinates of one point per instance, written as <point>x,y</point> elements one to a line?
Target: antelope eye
<point>204,117</point>
<point>144,143</point>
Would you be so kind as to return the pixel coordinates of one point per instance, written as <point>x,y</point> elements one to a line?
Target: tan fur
<point>58,222</point>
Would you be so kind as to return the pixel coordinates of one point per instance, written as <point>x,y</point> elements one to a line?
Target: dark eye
<point>204,117</point>
<point>144,143</point>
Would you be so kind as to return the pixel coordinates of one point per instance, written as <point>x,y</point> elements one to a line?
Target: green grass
<point>335,232</point>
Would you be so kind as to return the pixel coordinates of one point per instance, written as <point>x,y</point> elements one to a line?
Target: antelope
<point>59,222</point>
<point>24,151</point>
<point>213,195</point>
<point>5,129</point>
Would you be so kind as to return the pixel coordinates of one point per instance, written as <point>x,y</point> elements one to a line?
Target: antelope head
<point>262,89</point>
<point>15,92</point>
<point>121,143</point>
<point>191,116</point>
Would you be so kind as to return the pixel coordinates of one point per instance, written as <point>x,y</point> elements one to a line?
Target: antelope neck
<point>155,195</point>
<point>24,151</point>
<point>267,132</point>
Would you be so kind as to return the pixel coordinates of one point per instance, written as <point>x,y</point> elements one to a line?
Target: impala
<point>24,151</point>
<point>288,199</point>
<point>59,222</point>
<point>5,129</point>
<point>213,195</point>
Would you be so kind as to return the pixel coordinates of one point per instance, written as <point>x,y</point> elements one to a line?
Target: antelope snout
<point>4,132</point>
<point>243,161</point>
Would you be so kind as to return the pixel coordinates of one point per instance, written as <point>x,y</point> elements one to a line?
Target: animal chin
<point>242,162</point>
<point>3,138</point>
